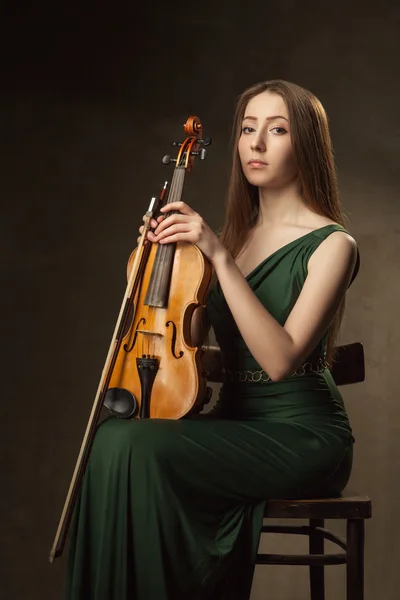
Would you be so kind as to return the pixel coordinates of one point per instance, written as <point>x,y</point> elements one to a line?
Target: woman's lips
<point>257,164</point>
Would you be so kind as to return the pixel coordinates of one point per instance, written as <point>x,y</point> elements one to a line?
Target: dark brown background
<point>91,97</point>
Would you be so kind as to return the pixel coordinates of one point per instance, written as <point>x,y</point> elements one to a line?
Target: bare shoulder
<point>337,241</point>
<point>339,247</point>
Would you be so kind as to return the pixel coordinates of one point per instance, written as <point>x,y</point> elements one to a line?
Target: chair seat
<point>349,505</point>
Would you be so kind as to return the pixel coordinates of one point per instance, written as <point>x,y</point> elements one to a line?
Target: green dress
<point>172,509</point>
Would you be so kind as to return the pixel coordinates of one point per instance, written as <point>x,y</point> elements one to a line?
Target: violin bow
<point>125,311</point>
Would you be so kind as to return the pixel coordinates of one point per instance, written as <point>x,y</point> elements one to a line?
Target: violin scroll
<point>193,127</point>
<point>191,147</point>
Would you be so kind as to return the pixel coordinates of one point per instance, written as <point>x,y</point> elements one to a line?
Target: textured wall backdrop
<point>89,104</point>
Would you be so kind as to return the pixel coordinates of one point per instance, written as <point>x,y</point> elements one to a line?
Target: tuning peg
<point>206,142</point>
<point>176,143</point>
<point>167,159</point>
<point>202,153</point>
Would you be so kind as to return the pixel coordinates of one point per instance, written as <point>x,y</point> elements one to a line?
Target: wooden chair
<point>349,367</point>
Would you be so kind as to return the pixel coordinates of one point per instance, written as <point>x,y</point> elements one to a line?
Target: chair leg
<point>355,559</point>
<point>317,579</point>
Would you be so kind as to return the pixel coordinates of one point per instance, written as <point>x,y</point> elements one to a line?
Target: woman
<point>173,509</point>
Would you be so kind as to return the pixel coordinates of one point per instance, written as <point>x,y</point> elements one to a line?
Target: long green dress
<point>171,510</point>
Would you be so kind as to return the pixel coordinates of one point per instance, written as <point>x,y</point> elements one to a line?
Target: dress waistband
<point>262,377</point>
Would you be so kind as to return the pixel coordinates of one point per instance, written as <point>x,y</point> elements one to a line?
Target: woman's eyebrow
<point>267,118</point>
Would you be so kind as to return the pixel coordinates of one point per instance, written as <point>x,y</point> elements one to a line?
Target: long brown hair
<point>313,156</point>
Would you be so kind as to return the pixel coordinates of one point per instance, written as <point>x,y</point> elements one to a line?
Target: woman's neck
<point>281,206</point>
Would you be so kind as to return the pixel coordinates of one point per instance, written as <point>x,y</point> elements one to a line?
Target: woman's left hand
<point>186,226</point>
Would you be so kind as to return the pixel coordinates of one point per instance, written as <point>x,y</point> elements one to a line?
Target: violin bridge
<point>145,332</point>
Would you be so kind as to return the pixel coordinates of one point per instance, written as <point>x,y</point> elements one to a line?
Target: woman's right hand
<point>153,224</point>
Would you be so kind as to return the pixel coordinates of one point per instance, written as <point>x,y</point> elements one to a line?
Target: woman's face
<point>265,147</point>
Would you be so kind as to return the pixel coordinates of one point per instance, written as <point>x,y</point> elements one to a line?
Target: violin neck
<point>178,179</point>
<point>158,290</point>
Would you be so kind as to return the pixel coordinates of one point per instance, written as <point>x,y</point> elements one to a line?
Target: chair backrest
<point>348,366</point>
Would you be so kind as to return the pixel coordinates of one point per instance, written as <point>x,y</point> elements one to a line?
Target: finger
<point>141,228</point>
<point>153,222</point>
<point>177,237</point>
<point>169,221</point>
<point>181,206</point>
<point>177,228</point>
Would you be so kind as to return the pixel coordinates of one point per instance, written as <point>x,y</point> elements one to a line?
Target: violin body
<point>163,333</point>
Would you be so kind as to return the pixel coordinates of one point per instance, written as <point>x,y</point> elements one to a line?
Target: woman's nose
<point>258,142</point>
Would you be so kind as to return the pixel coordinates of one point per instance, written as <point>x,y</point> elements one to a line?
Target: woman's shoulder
<point>335,243</point>
<point>332,233</point>
<point>324,228</point>
<point>317,222</point>
<point>312,222</point>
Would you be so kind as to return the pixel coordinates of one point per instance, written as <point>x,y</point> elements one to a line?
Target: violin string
<point>165,250</point>
<point>148,342</point>
<point>158,268</point>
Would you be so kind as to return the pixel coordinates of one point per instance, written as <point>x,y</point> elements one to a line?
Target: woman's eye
<point>247,129</point>
<point>279,130</point>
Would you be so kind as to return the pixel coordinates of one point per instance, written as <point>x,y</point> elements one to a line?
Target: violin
<point>152,370</point>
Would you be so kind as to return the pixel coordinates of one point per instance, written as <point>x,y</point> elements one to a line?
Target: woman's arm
<point>278,350</point>
<point>281,350</point>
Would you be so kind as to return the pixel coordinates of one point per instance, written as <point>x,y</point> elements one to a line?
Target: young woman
<point>173,509</point>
